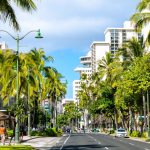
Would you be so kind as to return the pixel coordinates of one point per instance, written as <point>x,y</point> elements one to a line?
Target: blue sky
<point>69,27</point>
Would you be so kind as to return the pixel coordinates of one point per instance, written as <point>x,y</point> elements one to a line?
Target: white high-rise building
<point>85,69</point>
<point>76,89</point>
<point>98,48</point>
<point>114,37</point>
<point>117,36</point>
<point>3,46</point>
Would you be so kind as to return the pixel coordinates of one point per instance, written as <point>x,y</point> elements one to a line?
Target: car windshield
<point>121,130</point>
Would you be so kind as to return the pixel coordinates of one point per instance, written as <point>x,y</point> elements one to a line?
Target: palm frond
<point>27,5</point>
<point>144,4</point>
<point>7,13</point>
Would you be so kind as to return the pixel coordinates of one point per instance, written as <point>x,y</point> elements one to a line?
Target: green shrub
<point>50,132</point>
<point>9,132</point>
<point>144,135</point>
<point>35,133</point>
<point>59,132</point>
<point>135,134</point>
<point>147,140</point>
<point>111,131</point>
<point>47,132</point>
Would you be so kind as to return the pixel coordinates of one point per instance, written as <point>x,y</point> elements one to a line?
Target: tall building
<point>117,36</point>
<point>66,101</point>
<point>114,38</point>
<point>98,48</point>
<point>85,61</point>
<point>84,69</point>
<point>3,46</point>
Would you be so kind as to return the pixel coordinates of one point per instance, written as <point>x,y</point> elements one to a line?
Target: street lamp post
<point>18,39</point>
<point>29,115</point>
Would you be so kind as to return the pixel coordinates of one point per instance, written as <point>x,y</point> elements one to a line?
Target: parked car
<point>95,130</point>
<point>68,130</point>
<point>121,133</point>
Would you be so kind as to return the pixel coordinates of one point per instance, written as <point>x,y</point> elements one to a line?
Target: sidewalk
<point>131,138</point>
<point>40,142</point>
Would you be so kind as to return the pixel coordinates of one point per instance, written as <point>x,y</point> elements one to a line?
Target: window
<point>112,48</point>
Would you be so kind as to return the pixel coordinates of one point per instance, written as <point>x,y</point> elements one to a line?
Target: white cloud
<point>73,23</point>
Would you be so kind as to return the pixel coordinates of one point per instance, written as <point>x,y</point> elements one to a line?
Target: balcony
<point>86,60</point>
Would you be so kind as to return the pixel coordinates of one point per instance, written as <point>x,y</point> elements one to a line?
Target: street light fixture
<point>18,39</point>
<point>38,34</point>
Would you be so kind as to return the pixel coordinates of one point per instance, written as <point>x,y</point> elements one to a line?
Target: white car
<point>121,133</point>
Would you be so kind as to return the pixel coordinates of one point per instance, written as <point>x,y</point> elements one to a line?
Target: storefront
<point>6,120</point>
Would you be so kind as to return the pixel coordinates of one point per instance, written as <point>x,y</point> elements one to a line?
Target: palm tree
<point>104,66</point>
<point>131,49</point>
<point>37,74</point>
<point>55,89</point>
<point>111,71</point>
<point>142,17</point>
<point>7,12</point>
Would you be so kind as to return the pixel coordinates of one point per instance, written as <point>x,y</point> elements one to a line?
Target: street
<point>98,142</point>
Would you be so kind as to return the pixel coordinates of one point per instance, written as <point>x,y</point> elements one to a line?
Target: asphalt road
<point>98,142</point>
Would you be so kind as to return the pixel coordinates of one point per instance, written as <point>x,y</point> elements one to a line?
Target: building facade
<point>114,38</point>
<point>85,61</point>
<point>3,46</point>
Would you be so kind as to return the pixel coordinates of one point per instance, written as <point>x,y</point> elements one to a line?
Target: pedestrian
<point>2,134</point>
<point>21,132</point>
<point>12,136</point>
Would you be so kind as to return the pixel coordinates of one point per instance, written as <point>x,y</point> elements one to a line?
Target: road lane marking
<point>131,143</point>
<point>146,148</point>
<point>106,148</point>
<point>65,142</point>
<point>95,139</point>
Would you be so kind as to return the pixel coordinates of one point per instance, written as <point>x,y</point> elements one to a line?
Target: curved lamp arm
<point>28,33</point>
<point>9,34</point>
<point>19,38</point>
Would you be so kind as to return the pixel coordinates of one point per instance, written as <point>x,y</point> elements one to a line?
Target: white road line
<point>131,143</point>
<point>94,139</point>
<point>64,142</point>
<point>146,148</point>
<point>106,148</point>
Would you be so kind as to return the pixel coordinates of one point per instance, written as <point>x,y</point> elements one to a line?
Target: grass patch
<point>17,147</point>
<point>147,140</point>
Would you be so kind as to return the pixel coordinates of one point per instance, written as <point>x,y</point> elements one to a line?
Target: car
<point>68,130</point>
<point>95,130</point>
<point>121,132</point>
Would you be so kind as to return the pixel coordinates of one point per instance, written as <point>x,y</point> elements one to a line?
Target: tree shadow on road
<point>83,147</point>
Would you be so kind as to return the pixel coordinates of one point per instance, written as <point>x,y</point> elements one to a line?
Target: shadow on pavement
<point>83,147</point>
<point>30,139</point>
<point>78,134</point>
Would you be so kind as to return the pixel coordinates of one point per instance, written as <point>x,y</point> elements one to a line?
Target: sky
<point>69,27</point>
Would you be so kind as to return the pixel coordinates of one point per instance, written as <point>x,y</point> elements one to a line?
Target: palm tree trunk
<point>148,119</point>
<point>144,109</point>
<point>116,120</point>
